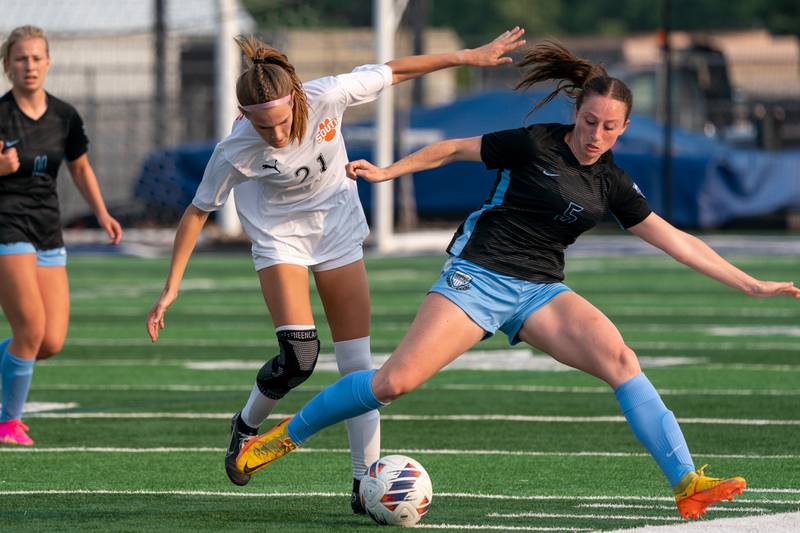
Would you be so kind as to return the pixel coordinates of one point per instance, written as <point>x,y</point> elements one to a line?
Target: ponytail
<point>576,77</point>
<point>269,77</point>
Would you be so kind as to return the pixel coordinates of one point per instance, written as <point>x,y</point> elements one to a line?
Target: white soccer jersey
<point>296,203</point>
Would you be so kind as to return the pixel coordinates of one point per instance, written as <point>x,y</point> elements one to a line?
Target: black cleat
<point>238,438</point>
<point>355,499</point>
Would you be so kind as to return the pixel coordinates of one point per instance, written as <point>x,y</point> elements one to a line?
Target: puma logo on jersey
<point>327,130</point>
<point>273,165</point>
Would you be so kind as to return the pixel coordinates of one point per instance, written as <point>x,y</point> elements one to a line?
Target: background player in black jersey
<point>37,131</point>
<point>506,265</point>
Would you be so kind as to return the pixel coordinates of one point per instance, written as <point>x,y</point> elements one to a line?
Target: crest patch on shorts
<point>459,280</point>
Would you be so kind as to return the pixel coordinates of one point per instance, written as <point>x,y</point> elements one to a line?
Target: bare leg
<point>54,289</point>
<point>576,333</point>
<point>22,304</point>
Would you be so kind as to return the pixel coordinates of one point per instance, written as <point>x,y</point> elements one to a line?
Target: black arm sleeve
<point>506,149</point>
<point>77,143</point>
<point>626,201</point>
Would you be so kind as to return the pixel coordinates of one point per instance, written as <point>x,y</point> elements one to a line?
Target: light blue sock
<point>3,345</point>
<point>16,375</point>
<point>655,427</point>
<point>350,396</point>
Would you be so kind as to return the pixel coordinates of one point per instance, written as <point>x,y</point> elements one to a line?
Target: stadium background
<point>139,428</point>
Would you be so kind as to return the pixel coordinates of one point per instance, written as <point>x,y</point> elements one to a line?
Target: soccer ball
<point>396,490</point>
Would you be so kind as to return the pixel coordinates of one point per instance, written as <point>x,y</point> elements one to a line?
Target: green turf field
<point>139,444</point>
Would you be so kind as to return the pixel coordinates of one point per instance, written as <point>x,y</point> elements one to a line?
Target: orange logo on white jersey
<point>327,130</point>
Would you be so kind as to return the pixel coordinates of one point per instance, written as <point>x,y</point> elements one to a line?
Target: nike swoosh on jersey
<point>10,144</point>
<point>546,172</point>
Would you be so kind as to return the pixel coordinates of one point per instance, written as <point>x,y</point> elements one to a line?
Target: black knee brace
<point>292,366</point>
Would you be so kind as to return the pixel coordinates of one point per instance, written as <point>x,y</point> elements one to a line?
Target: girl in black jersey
<point>506,265</point>
<point>37,131</point>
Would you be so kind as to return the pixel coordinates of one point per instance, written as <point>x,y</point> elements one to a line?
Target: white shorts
<point>322,240</point>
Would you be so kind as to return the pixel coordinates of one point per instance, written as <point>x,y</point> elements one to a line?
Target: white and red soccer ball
<point>396,490</point>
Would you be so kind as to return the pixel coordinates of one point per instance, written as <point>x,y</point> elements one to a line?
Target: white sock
<point>257,408</point>
<point>363,432</point>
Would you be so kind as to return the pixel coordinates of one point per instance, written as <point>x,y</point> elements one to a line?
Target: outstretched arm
<point>697,255</point>
<point>432,156</point>
<point>489,55</point>
<point>186,236</point>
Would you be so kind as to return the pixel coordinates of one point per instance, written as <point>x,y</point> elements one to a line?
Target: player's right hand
<point>9,160</point>
<point>155,318</point>
<point>366,170</point>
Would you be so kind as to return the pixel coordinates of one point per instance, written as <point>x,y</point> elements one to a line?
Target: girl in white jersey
<point>286,158</point>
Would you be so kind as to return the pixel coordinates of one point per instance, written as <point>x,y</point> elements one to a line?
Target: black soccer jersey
<point>28,200</point>
<point>542,200</point>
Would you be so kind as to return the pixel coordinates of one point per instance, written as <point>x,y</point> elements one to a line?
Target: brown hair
<point>17,35</point>
<point>577,77</point>
<point>269,77</point>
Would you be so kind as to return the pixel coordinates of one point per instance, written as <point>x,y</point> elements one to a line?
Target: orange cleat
<point>260,451</point>
<point>696,492</point>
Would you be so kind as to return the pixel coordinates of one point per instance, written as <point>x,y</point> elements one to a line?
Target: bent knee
<point>624,365</point>
<point>388,386</point>
<point>29,338</point>
<point>49,348</point>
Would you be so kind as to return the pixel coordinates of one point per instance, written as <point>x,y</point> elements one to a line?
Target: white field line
<point>463,527</point>
<point>726,346</point>
<point>474,495</point>
<point>714,509</point>
<point>736,366</point>
<point>265,343</point>
<point>177,387</point>
<point>494,360</point>
<point>764,523</point>
<point>606,390</point>
<point>258,311</point>
<point>460,495</point>
<point>742,331</point>
<point>408,451</point>
<point>472,418</point>
<point>591,516</point>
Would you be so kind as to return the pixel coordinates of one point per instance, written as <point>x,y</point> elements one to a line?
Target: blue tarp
<point>712,183</point>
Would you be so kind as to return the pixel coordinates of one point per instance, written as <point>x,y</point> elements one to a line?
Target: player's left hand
<point>365,170</point>
<point>764,289</point>
<point>492,54</point>
<point>112,227</point>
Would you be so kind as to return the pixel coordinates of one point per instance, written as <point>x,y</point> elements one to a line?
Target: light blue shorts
<point>54,257</point>
<point>493,300</point>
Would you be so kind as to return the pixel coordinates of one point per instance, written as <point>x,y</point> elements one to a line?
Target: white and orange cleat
<point>696,492</point>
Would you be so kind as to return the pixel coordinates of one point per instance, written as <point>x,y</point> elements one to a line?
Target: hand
<point>9,160</point>
<point>155,318</point>
<point>366,170</point>
<point>112,227</point>
<point>491,54</point>
<point>764,289</point>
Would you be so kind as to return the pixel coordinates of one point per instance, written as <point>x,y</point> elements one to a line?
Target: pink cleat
<point>13,432</point>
